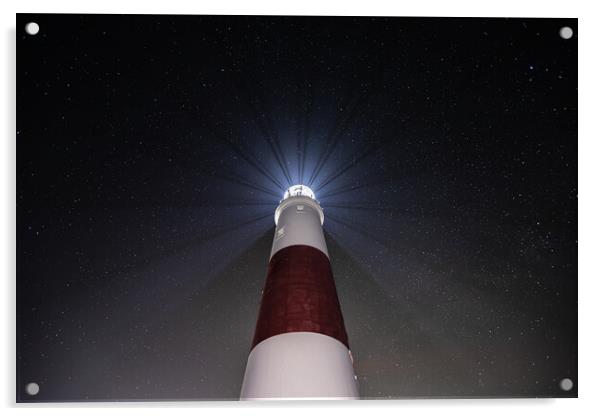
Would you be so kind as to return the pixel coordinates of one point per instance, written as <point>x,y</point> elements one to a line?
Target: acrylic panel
<point>166,252</point>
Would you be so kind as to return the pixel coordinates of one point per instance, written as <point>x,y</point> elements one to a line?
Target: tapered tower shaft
<point>300,348</point>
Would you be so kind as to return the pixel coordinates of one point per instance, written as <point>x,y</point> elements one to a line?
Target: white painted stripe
<point>299,222</point>
<point>297,365</point>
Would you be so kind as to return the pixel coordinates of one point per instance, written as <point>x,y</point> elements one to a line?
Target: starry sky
<point>153,150</point>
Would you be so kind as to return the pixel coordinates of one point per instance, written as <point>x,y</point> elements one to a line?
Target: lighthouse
<point>300,348</point>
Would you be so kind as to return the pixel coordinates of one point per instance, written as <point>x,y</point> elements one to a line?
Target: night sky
<point>153,150</point>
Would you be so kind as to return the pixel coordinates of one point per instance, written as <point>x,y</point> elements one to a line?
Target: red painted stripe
<point>300,296</point>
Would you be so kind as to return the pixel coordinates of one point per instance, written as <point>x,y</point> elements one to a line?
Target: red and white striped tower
<point>300,348</point>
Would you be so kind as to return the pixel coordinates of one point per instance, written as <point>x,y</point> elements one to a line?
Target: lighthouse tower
<point>300,349</point>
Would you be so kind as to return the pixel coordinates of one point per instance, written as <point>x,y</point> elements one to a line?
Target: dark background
<point>153,150</point>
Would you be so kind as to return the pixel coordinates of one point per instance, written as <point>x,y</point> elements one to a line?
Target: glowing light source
<point>299,190</point>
